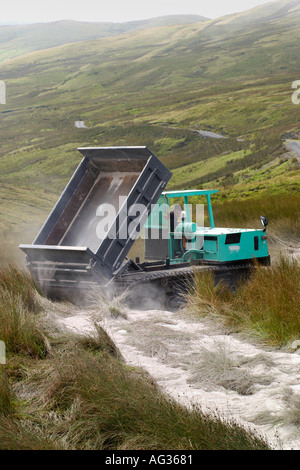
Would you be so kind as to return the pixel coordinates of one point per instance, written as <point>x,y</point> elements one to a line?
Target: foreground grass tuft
<point>18,314</point>
<point>102,404</point>
<point>6,395</point>
<point>82,396</point>
<point>16,434</point>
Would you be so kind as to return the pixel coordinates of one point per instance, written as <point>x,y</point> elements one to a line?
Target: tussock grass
<point>288,414</point>
<point>292,412</point>
<point>282,210</point>
<point>18,311</point>
<point>100,404</point>
<point>88,400</point>
<point>22,435</point>
<point>100,342</point>
<point>19,283</point>
<point>83,396</point>
<point>6,395</point>
<point>218,367</point>
<point>158,341</point>
<point>205,295</point>
<point>267,305</point>
<point>273,301</point>
<point>110,303</point>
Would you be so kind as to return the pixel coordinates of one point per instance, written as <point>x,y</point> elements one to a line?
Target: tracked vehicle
<point>116,194</point>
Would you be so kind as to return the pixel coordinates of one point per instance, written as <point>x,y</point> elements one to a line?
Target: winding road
<point>212,135</point>
<point>294,146</point>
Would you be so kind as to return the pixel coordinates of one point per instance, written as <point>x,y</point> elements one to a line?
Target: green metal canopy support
<point>186,204</point>
<point>194,192</point>
<point>210,212</point>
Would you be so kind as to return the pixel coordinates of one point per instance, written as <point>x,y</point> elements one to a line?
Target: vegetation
<point>282,211</point>
<point>133,87</point>
<point>63,391</point>
<point>231,76</point>
<point>267,305</point>
<point>18,304</point>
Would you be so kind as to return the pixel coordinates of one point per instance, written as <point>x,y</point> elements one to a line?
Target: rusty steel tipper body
<point>69,252</point>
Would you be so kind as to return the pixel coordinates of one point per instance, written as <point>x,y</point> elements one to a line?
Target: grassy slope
<point>155,88</point>
<point>18,40</point>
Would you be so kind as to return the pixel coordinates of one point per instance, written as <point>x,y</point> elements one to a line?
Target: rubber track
<point>140,276</point>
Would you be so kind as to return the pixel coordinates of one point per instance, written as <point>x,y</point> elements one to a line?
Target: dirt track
<point>294,146</point>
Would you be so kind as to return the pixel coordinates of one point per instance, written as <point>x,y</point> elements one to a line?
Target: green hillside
<point>21,39</point>
<point>156,87</point>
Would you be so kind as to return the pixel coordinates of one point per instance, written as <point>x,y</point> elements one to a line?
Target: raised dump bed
<point>70,252</point>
